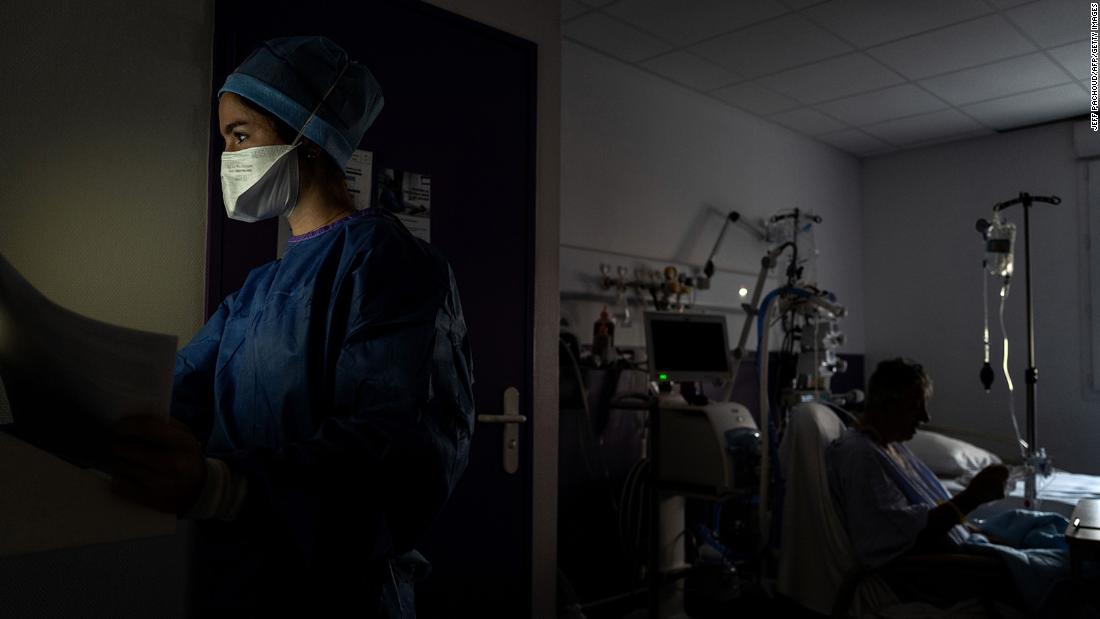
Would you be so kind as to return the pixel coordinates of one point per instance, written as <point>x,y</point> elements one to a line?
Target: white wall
<point>103,126</point>
<point>923,283</point>
<point>649,169</point>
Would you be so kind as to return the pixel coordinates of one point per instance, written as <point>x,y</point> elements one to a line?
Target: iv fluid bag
<point>998,248</point>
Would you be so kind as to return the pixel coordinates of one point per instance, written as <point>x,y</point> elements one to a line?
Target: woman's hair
<point>894,380</point>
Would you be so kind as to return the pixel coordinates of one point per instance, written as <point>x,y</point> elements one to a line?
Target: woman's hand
<point>158,462</point>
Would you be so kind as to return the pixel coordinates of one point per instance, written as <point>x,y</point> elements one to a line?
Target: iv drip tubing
<point>1008,378</point>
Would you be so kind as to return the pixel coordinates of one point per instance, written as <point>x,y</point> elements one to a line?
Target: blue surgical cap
<point>288,77</point>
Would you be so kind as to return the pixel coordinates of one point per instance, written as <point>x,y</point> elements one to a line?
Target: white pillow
<point>949,457</point>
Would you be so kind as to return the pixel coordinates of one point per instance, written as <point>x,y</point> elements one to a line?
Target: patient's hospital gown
<point>884,495</point>
<point>338,381</point>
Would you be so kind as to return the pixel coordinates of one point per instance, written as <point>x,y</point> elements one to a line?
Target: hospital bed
<point>954,461</point>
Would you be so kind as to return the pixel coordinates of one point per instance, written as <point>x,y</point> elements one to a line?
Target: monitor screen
<point>687,347</point>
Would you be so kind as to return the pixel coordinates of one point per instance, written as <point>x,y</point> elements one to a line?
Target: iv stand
<point>1031,374</point>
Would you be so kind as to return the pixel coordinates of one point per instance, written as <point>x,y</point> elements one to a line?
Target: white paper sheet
<point>48,352</point>
<point>67,378</point>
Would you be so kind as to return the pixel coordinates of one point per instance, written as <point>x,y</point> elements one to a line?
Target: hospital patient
<point>890,502</point>
<point>893,505</point>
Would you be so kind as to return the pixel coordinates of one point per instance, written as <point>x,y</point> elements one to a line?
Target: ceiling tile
<point>870,22</point>
<point>770,46</point>
<point>1003,78</point>
<point>572,8</point>
<point>1074,57</point>
<point>1005,4</point>
<point>755,98</point>
<point>1053,22</point>
<point>855,141</point>
<point>957,47</point>
<point>873,107</point>
<point>613,37</point>
<point>688,22</point>
<point>941,124</point>
<point>832,79</point>
<point>691,71</point>
<point>801,4</point>
<point>808,121</point>
<point>1030,108</point>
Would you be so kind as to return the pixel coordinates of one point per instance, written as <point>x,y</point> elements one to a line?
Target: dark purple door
<point>460,106</point>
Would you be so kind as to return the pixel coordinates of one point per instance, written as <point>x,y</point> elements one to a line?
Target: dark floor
<point>744,600</point>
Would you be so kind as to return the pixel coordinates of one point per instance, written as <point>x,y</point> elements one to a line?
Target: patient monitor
<point>705,447</point>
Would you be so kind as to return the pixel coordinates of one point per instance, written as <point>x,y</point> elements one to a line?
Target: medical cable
<point>643,502</point>
<point>626,516</point>
<point>396,591</point>
<point>765,447</point>
<point>594,470</point>
<point>631,492</point>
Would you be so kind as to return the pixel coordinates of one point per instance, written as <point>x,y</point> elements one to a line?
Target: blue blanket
<point>1032,546</point>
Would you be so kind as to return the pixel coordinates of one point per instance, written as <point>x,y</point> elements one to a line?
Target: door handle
<point>511,420</point>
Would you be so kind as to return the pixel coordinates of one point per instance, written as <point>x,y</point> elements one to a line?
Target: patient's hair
<point>895,380</point>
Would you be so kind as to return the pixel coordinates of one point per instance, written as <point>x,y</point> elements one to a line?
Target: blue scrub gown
<point>338,381</point>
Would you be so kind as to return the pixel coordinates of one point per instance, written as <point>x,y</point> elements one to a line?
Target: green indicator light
<point>662,376</point>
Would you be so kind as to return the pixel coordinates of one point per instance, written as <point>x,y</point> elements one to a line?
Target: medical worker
<point>323,414</point>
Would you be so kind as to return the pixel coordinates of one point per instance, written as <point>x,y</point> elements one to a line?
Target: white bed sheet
<point>1058,493</point>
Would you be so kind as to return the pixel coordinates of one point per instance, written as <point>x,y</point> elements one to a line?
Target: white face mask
<point>261,182</point>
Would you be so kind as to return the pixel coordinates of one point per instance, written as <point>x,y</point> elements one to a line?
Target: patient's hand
<point>988,484</point>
